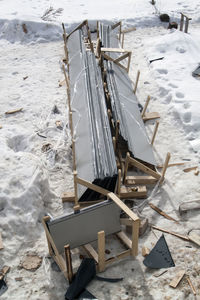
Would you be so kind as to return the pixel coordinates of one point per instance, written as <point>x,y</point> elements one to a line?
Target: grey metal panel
<point>125,104</point>
<point>82,228</point>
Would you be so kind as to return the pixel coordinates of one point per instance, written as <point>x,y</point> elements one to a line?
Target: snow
<point>36,158</point>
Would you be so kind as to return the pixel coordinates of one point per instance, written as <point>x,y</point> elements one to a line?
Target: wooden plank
<point>1,242</point>
<point>111,59</point>
<point>125,240</point>
<point>151,116</point>
<point>183,237</point>
<point>162,213</point>
<point>123,206</point>
<point>90,251</point>
<point>135,237</point>
<point>101,251</point>
<point>121,57</point>
<point>68,197</point>
<point>118,256</point>
<point>190,169</point>
<point>13,111</point>
<point>118,50</point>
<point>176,280</point>
<point>144,168</point>
<point>133,192</point>
<point>134,180</point>
<point>165,166</point>
<point>92,186</point>
<point>129,30</point>
<point>116,25</point>
<point>68,263</point>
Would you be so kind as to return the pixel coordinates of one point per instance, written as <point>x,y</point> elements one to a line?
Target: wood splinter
<point>177,279</point>
<point>162,213</point>
<point>13,111</point>
<point>191,285</point>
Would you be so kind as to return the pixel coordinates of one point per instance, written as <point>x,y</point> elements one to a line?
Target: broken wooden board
<point>190,169</point>
<point>1,242</point>
<point>161,212</point>
<point>31,262</point>
<point>151,116</point>
<point>184,207</point>
<point>68,197</point>
<point>134,180</point>
<point>133,192</point>
<point>4,271</point>
<point>176,280</point>
<point>13,111</point>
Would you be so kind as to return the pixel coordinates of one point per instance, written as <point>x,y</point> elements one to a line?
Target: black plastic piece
<point>3,287</point>
<point>108,279</point>
<point>196,72</point>
<point>86,295</point>
<point>160,256</point>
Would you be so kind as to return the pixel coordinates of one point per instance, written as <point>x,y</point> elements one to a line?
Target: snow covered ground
<point>35,162</point>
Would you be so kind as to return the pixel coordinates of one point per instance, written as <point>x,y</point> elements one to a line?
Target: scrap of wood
<point>24,78</point>
<point>176,280</point>
<point>61,83</point>
<point>4,271</point>
<point>162,213</point>
<point>1,242</point>
<point>13,111</point>
<point>145,251</point>
<point>18,279</point>
<point>59,124</point>
<point>68,197</point>
<point>196,173</point>
<point>172,165</point>
<point>191,285</point>
<point>129,30</point>
<point>183,237</point>
<point>31,262</point>
<point>190,169</point>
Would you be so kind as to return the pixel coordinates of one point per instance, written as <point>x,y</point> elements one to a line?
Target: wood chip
<point>145,251</point>
<point>1,242</point>
<point>13,111</point>
<point>175,281</point>
<point>31,262</point>
<point>162,213</point>
<point>18,279</point>
<point>190,169</point>
<point>68,197</point>
<point>172,165</point>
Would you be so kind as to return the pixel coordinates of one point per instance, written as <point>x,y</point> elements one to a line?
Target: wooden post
<point>44,221</point>
<point>114,143</point>
<point>165,167</point>
<point>75,188</point>
<point>145,106</point>
<point>126,166</point>
<point>136,83</point>
<point>129,61</point>
<point>182,22</point>
<point>154,133</point>
<point>101,251</point>
<point>117,131</point>
<point>135,237</point>
<point>119,182</point>
<point>97,29</point>
<point>186,24</point>
<point>69,263</point>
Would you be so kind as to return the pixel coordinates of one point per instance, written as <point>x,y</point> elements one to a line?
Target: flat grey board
<point>82,228</point>
<point>138,140</point>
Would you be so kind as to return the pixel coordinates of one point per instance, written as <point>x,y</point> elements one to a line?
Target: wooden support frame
<point>123,32</point>
<point>132,245</point>
<point>125,54</point>
<point>146,116</point>
<point>118,24</point>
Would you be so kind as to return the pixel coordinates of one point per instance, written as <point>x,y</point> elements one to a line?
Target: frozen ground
<point>36,169</point>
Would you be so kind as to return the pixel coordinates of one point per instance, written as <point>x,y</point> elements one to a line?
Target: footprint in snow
<point>180,50</point>
<point>162,71</point>
<point>180,95</point>
<point>173,85</point>
<point>187,117</point>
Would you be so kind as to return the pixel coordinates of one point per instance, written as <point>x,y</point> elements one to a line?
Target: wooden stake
<point>145,106</point>
<point>165,167</point>
<point>75,188</point>
<point>154,133</point>
<point>162,213</point>
<point>68,263</point>
<point>97,29</point>
<point>13,111</point>
<point>135,237</point>
<point>126,166</point>
<point>101,251</point>
<point>136,83</point>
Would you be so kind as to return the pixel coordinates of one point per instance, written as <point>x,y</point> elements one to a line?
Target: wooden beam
<point>121,57</point>
<point>119,182</point>
<point>78,27</point>
<point>137,80</point>
<point>117,50</point>
<point>135,237</point>
<point>68,263</point>
<point>124,239</point>
<point>144,168</point>
<point>183,237</point>
<point>68,197</point>
<point>191,285</point>
<point>13,111</point>
<point>133,192</point>
<point>90,251</point>
<point>151,116</point>
<point>154,132</point>
<point>118,256</point>
<point>165,167</point>
<point>129,30</point>
<point>75,188</point>
<point>113,60</point>
<point>101,251</point>
<point>134,180</point>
